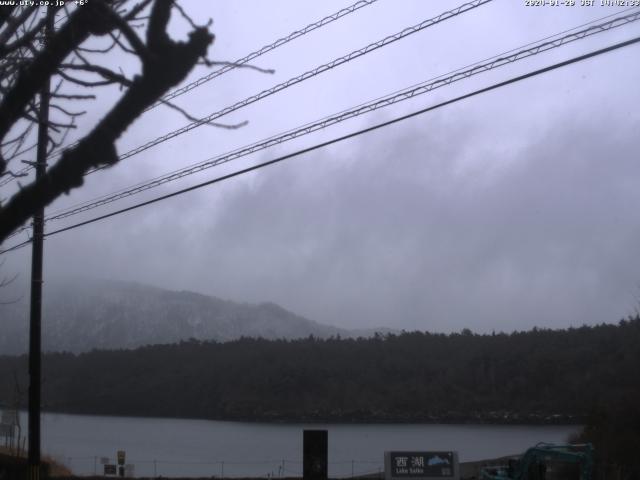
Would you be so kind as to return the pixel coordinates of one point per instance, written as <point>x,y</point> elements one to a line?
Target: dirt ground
<point>55,469</point>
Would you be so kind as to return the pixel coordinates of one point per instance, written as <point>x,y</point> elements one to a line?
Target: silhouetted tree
<point>28,60</point>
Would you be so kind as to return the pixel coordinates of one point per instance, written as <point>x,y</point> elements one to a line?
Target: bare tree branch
<point>131,15</point>
<point>73,97</point>
<point>99,50</point>
<point>14,175</point>
<point>105,73</point>
<point>165,63</point>
<point>5,14</point>
<point>91,18</point>
<point>13,24</point>
<point>213,63</point>
<point>191,118</point>
<point>67,112</point>
<point>83,83</point>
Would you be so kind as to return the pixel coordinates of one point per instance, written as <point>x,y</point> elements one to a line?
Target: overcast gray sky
<point>514,209</point>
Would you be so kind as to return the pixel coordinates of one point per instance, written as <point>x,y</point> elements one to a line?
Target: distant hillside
<point>540,376</point>
<point>80,315</point>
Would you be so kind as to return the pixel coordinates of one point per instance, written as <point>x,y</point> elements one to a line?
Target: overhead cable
<point>265,49</point>
<point>305,76</point>
<point>235,64</point>
<point>344,137</point>
<point>362,109</point>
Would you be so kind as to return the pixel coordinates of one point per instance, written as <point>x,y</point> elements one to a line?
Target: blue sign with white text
<point>421,464</point>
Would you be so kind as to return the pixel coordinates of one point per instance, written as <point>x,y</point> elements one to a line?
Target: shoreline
<point>507,420</point>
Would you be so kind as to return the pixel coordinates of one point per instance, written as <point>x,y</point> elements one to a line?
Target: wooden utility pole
<point>35,347</point>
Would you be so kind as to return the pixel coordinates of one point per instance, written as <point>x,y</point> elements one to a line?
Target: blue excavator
<point>546,461</point>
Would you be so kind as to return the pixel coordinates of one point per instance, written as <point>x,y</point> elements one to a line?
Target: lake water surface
<point>176,447</point>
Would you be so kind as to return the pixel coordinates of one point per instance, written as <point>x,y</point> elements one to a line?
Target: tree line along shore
<point>586,375</point>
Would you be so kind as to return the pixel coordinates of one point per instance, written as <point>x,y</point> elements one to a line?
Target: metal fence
<point>257,468</point>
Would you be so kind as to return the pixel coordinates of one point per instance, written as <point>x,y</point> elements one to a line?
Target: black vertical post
<point>36,280</point>
<point>314,454</point>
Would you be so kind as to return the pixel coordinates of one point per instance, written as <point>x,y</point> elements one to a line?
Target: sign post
<point>314,454</point>
<point>121,457</point>
<point>421,465</point>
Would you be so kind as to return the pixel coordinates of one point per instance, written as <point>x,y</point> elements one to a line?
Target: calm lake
<point>174,447</point>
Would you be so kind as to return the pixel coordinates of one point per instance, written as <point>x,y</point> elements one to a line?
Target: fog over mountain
<point>508,210</point>
<point>83,314</point>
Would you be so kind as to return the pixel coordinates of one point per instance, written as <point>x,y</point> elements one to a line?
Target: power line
<point>235,64</point>
<point>388,100</point>
<point>16,247</point>
<point>211,162</point>
<point>344,137</point>
<point>265,49</point>
<point>305,76</point>
<point>419,89</point>
<point>20,173</point>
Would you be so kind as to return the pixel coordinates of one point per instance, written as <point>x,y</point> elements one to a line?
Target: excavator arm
<point>535,462</point>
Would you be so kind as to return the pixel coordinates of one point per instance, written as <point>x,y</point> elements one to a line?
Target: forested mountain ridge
<point>80,314</point>
<point>539,376</point>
